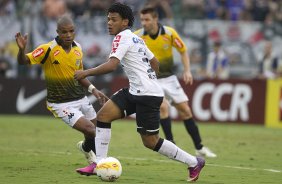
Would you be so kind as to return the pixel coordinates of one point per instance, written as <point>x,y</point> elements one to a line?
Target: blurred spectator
<point>268,63</point>
<point>275,8</point>
<point>77,7</point>
<point>192,9</point>
<point>54,8</point>
<point>98,7</point>
<point>215,9</point>
<point>164,10</point>
<point>8,63</point>
<point>235,9</point>
<point>4,62</point>
<point>218,63</point>
<point>7,7</point>
<point>260,10</point>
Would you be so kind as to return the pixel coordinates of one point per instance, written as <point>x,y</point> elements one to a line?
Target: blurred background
<point>245,28</point>
<point>246,33</point>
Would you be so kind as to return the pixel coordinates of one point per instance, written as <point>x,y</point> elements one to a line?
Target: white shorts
<point>173,91</point>
<point>70,112</point>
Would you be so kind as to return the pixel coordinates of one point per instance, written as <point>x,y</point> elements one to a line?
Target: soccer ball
<point>109,169</point>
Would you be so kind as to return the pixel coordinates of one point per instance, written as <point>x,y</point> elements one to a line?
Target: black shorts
<point>147,109</point>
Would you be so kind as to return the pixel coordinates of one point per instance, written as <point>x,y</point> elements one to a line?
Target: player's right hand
<point>21,40</point>
<point>79,74</point>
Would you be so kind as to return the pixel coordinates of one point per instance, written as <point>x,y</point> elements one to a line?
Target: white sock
<point>102,141</point>
<point>172,151</point>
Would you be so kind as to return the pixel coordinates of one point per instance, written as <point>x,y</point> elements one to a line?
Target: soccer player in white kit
<point>143,97</point>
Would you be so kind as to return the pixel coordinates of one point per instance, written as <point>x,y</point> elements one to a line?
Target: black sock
<point>193,130</point>
<point>159,145</point>
<point>166,126</point>
<point>89,144</point>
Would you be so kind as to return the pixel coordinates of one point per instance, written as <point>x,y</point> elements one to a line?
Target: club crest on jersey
<point>165,46</point>
<point>178,43</point>
<point>56,52</point>
<point>37,52</point>
<point>77,63</point>
<point>77,53</point>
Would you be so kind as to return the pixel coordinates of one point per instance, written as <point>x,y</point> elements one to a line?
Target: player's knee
<point>89,130</point>
<point>164,111</point>
<point>150,141</point>
<point>185,113</point>
<point>164,107</point>
<point>149,144</point>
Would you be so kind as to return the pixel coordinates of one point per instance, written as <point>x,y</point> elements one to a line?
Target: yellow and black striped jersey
<point>162,47</point>
<point>59,68</point>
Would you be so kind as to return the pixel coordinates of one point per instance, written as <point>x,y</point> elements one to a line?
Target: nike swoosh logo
<point>24,104</point>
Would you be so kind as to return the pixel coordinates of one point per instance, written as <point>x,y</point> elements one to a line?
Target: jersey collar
<point>161,31</point>
<point>58,42</point>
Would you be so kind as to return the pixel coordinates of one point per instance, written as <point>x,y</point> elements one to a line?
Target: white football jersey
<point>134,57</point>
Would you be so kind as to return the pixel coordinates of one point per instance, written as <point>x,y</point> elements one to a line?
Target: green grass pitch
<point>42,149</point>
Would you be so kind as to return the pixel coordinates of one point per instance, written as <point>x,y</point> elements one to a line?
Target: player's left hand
<point>100,96</point>
<point>188,78</point>
<point>79,74</point>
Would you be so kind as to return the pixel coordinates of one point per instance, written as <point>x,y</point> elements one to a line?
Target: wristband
<point>90,88</point>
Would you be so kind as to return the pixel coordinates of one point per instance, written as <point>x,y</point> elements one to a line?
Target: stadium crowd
<point>189,17</point>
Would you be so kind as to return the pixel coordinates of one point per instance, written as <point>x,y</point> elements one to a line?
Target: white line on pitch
<point>37,152</point>
<point>213,165</point>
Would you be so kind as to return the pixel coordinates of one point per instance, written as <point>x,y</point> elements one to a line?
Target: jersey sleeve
<point>37,55</point>
<point>120,46</point>
<point>177,42</point>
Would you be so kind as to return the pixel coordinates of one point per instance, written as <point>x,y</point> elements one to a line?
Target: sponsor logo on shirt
<point>77,53</point>
<point>56,52</point>
<point>37,52</point>
<point>116,43</point>
<point>137,40</point>
<point>165,38</point>
<point>178,43</point>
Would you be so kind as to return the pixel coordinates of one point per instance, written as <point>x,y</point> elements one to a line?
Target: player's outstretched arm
<point>104,68</point>
<point>21,42</point>
<point>93,90</point>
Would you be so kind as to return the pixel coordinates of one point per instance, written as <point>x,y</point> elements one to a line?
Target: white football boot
<point>205,152</point>
<point>90,156</point>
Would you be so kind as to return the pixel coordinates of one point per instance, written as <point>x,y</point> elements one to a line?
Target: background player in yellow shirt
<point>161,40</point>
<point>66,98</point>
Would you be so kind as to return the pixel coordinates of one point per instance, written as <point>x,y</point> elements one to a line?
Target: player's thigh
<point>69,112</point>
<point>87,109</point>
<point>148,114</point>
<point>173,90</point>
<point>183,109</point>
<point>109,112</point>
<point>123,99</point>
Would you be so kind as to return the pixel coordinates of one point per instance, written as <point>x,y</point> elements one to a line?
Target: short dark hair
<point>124,11</point>
<point>150,10</point>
